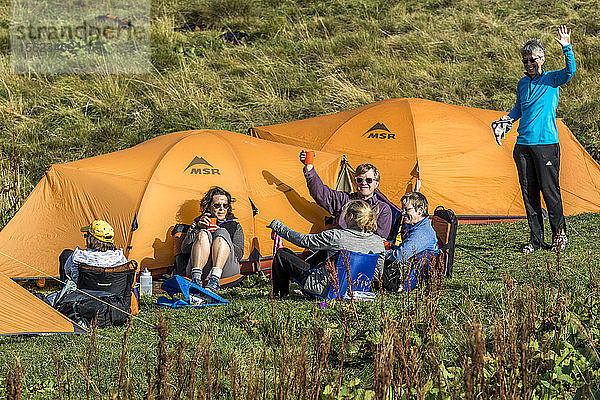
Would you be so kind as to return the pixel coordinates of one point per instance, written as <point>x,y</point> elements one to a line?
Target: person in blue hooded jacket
<point>417,238</point>
<point>537,151</point>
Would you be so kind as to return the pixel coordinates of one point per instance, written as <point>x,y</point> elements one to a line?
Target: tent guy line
<point>79,290</point>
<point>263,217</point>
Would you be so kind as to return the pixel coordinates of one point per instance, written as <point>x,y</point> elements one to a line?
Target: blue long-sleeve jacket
<point>537,100</point>
<point>419,237</point>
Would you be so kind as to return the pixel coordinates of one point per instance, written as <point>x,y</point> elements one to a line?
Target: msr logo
<point>197,161</point>
<point>379,131</point>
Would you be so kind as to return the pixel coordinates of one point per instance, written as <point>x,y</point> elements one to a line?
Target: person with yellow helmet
<point>100,251</point>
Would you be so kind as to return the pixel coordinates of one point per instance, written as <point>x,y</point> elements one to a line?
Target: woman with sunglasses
<point>215,240</point>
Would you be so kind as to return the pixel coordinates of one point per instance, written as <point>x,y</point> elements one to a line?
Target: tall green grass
<point>303,59</point>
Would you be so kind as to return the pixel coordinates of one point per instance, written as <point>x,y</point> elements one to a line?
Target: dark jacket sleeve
<point>331,200</point>
<point>238,242</point>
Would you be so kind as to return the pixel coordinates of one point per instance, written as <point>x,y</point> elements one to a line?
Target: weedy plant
<point>14,381</point>
<point>541,343</point>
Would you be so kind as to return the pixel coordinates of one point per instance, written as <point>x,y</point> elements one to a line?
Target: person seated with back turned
<point>357,236</point>
<point>418,236</point>
<point>367,180</point>
<point>215,248</point>
<point>100,251</point>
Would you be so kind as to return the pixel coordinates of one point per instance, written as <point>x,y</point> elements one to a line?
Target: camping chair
<point>194,295</point>
<point>325,284</point>
<point>117,280</point>
<point>181,259</point>
<point>103,295</point>
<point>445,224</point>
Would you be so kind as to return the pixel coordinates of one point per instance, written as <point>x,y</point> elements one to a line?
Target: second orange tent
<point>446,151</point>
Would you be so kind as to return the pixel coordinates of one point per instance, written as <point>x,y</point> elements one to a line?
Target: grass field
<point>520,316</point>
<point>506,327</point>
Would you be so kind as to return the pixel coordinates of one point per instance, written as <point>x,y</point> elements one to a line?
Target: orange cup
<point>213,225</point>
<point>387,244</point>
<point>310,157</point>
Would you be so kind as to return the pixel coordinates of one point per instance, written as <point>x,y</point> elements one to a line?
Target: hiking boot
<point>195,281</point>
<point>213,284</point>
<point>560,242</point>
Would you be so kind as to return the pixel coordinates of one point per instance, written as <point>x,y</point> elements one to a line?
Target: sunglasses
<point>529,60</point>
<point>218,206</point>
<point>360,180</point>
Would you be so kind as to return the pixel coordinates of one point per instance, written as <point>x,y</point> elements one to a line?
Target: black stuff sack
<point>82,306</point>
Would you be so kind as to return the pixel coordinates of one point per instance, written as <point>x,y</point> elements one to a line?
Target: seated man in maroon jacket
<point>367,180</point>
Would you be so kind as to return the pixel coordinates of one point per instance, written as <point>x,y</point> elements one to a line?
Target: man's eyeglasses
<point>360,180</point>
<point>406,210</point>
<point>530,60</point>
<point>218,206</point>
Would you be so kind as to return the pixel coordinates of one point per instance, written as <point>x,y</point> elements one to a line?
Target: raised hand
<point>302,156</point>
<point>564,35</point>
<point>309,166</point>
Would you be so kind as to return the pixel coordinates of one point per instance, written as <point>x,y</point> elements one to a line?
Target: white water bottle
<point>146,283</point>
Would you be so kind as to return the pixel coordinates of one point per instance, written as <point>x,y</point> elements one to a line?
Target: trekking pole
<point>475,256</point>
<point>254,213</point>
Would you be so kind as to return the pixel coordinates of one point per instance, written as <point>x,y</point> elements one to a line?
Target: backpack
<point>82,306</point>
<point>445,223</point>
<point>403,277</point>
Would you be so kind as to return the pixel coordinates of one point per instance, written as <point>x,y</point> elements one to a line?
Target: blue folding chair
<point>361,267</point>
<point>180,285</point>
<point>420,263</point>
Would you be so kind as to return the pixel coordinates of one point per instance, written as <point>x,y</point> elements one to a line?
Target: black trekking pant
<point>287,265</point>
<point>538,167</point>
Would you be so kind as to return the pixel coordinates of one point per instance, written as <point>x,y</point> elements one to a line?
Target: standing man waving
<point>537,152</point>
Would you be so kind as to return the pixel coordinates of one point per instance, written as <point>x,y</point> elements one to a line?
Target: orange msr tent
<point>448,151</point>
<point>147,189</point>
<point>23,313</point>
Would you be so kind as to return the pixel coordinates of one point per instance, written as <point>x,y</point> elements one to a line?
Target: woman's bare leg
<point>220,254</point>
<point>199,256</point>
